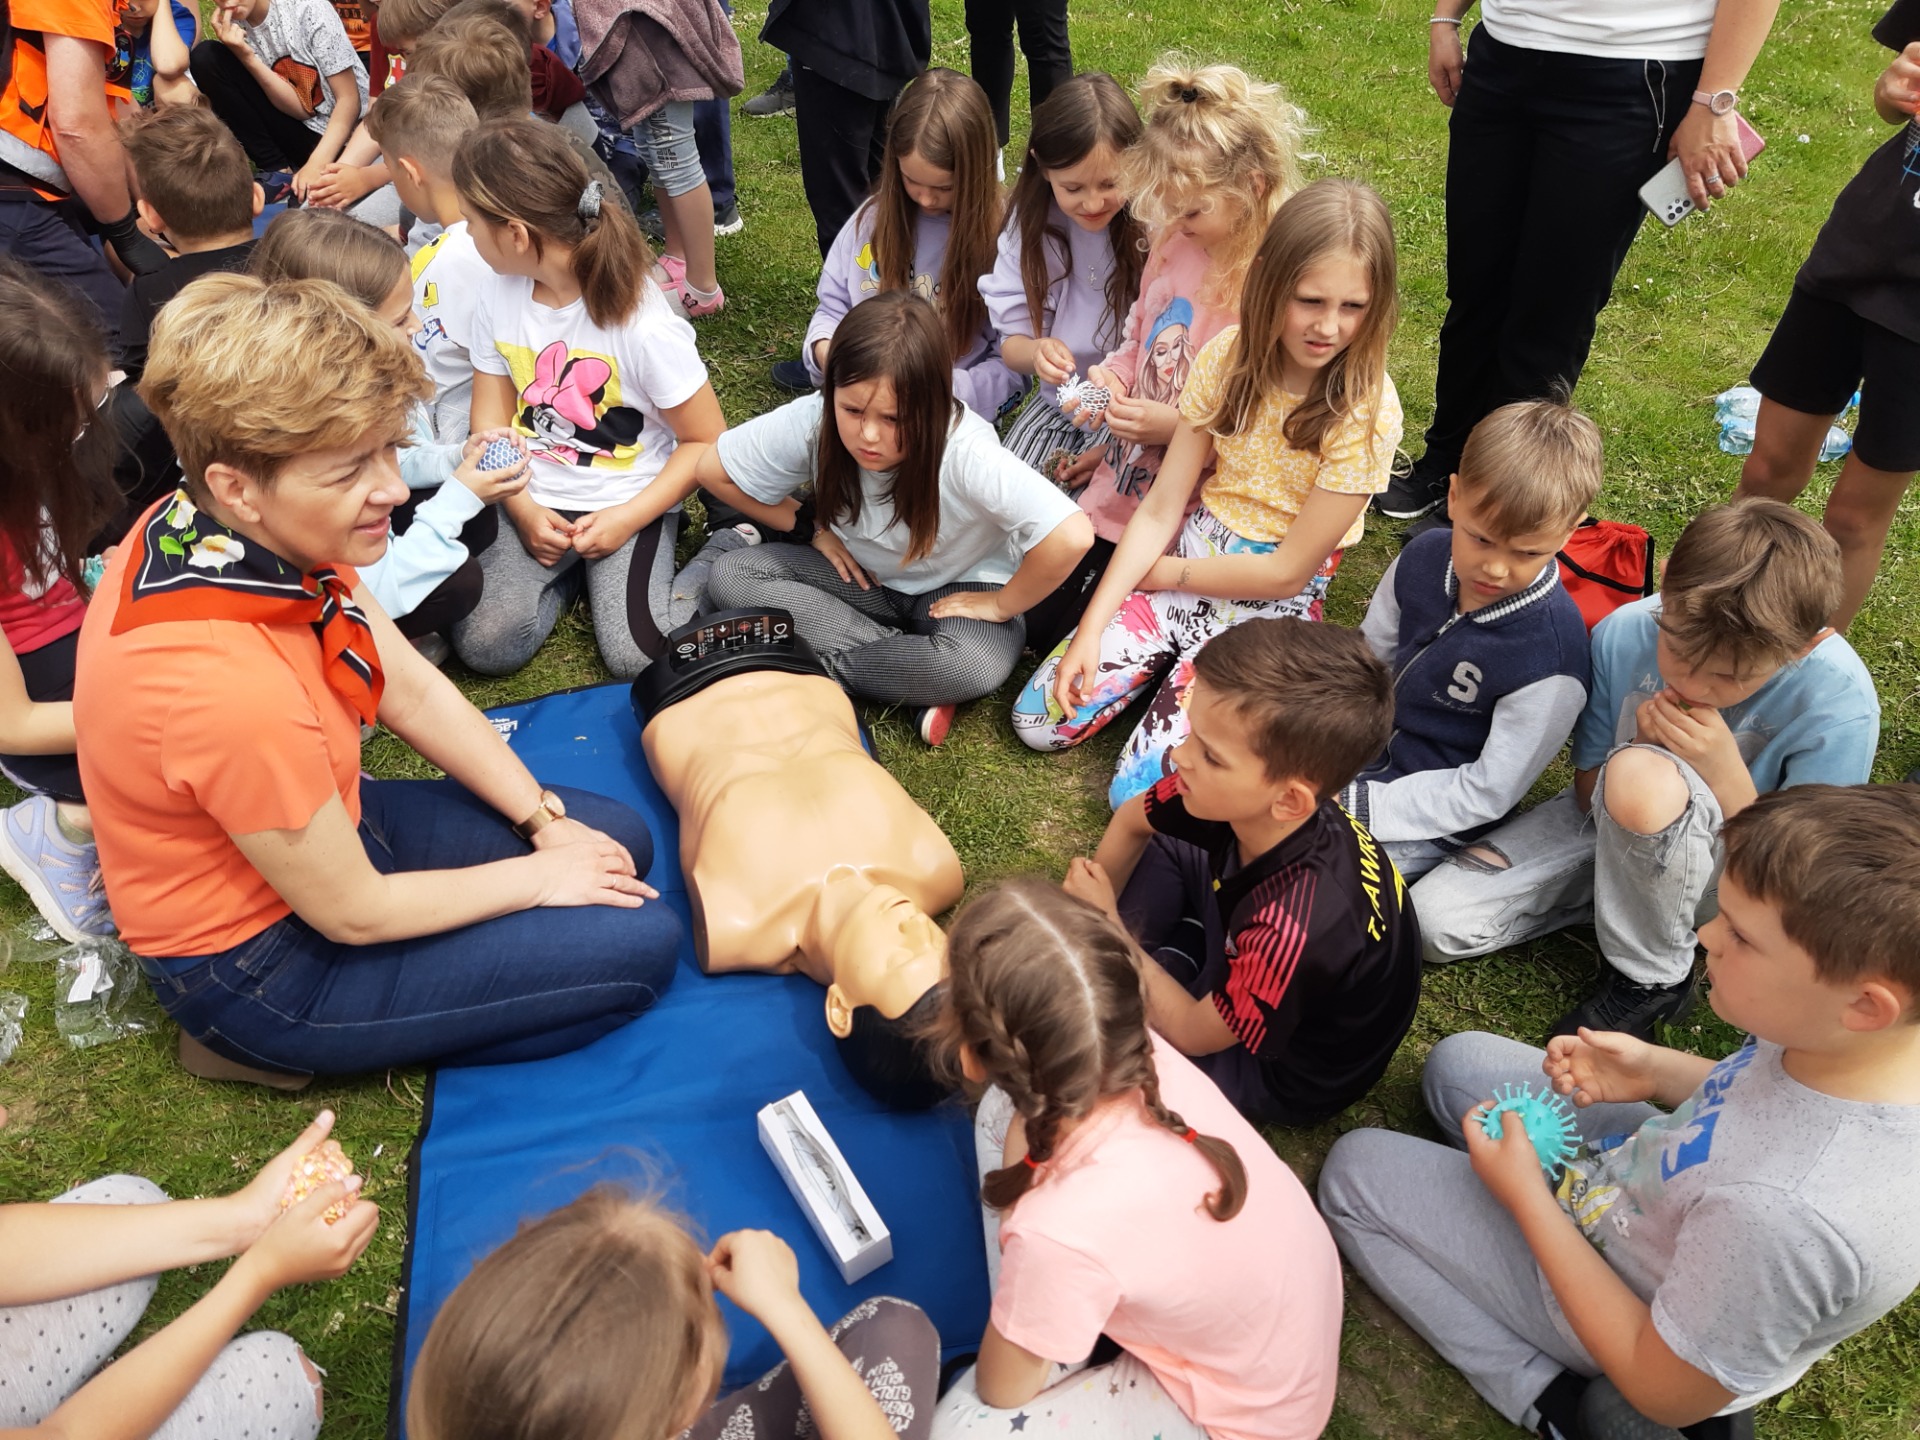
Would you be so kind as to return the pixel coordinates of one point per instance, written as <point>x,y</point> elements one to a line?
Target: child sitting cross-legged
<point>1487,649</point>
<point>1690,1261</point>
<point>1125,1199</point>
<point>1727,684</point>
<point>1288,957</point>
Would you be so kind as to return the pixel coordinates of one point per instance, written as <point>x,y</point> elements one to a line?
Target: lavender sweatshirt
<point>1076,293</point>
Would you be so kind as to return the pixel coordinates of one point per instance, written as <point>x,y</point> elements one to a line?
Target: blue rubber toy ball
<point>1548,1119</point>
<point>500,455</point>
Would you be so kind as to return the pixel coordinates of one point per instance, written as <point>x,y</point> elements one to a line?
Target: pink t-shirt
<point>1240,1320</point>
<point>1166,328</point>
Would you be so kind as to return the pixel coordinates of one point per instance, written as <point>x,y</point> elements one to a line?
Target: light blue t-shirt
<point>993,508</point>
<point>1816,722</point>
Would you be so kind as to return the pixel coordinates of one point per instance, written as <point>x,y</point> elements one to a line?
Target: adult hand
<point>1697,735</point>
<point>302,1245</point>
<point>1600,1067</point>
<point>592,872</point>
<point>598,535</point>
<point>1141,422</point>
<point>339,185</point>
<point>1076,472</point>
<point>569,831</point>
<point>1074,682</point>
<point>1087,880</point>
<point>1445,60</point>
<point>546,536</point>
<point>1052,360</point>
<point>1897,91</point>
<point>844,565</point>
<point>1709,149</point>
<point>757,1271</point>
<point>971,605</point>
<point>1508,1166</point>
<point>256,1205</point>
<point>493,486</point>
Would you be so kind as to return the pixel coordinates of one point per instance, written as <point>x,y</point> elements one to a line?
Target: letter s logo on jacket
<point>1466,682</point>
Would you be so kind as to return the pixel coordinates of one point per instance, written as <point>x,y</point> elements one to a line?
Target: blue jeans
<point>520,987</point>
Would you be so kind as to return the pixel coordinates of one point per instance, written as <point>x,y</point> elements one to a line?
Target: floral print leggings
<point>1152,640</point>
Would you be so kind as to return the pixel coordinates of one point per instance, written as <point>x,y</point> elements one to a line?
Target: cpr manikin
<point>800,853</point>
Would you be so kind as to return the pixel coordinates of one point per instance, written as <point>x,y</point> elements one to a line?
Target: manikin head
<point>889,960</point>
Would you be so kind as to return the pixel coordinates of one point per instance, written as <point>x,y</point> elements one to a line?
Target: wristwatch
<point>550,810</point>
<point>1720,102</point>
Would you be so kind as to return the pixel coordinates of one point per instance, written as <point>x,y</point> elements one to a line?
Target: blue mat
<point>668,1102</point>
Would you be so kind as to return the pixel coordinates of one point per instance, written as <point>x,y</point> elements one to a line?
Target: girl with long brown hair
<point>576,347</point>
<point>930,227</point>
<point>928,540</point>
<point>1125,1197</point>
<point>1293,413</point>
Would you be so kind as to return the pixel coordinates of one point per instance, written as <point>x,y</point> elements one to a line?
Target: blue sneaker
<point>61,878</point>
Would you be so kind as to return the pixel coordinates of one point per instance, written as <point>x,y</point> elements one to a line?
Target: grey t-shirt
<point>1763,1221</point>
<point>310,31</point>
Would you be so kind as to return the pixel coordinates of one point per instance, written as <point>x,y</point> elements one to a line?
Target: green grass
<point>1692,310</point>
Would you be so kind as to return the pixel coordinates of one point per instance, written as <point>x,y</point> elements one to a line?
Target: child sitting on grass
<point>1727,684</point>
<point>1487,649</point>
<point>1289,959</point>
<point>1690,1264</point>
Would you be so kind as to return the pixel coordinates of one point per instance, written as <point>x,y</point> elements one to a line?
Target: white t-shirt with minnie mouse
<point>588,400</point>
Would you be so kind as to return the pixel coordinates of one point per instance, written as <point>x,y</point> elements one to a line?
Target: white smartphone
<point>1666,193</point>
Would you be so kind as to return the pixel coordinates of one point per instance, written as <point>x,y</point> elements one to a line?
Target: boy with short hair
<point>1288,958</point>
<point>419,125</point>
<point>1487,649</point>
<point>1726,685</point>
<point>194,188</point>
<point>287,81</point>
<point>1696,1262</point>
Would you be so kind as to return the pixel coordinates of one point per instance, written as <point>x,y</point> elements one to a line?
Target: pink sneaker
<point>670,274</point>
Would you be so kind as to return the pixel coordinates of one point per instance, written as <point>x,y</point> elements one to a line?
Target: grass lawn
<point>1692,310</point>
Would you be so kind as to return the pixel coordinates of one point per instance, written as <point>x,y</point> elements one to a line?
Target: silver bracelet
<point>1444,20</point>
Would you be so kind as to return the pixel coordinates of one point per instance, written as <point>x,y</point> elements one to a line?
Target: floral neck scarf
<point>186,565</point>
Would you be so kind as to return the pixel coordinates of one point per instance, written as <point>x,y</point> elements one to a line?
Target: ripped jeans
<point>1643,894</point>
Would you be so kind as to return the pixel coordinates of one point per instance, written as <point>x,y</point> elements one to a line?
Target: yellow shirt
<point>1260,481</point>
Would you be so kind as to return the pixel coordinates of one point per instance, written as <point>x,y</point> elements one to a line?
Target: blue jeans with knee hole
<point>523,986</point>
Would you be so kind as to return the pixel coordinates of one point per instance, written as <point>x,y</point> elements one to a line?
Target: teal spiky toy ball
<point>1548,1119</point>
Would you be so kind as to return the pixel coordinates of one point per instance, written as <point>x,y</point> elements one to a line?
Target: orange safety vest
<point>26,134</point>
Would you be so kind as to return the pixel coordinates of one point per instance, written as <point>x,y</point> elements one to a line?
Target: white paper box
<point>824,1185</point>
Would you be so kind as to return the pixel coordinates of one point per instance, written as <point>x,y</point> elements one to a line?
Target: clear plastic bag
<point>99,994</point>
<point>13,1014</point>
<point>1735,410</point>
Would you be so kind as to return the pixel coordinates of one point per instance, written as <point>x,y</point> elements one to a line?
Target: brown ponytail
<point>526,170</point>
<point>1048,993</point>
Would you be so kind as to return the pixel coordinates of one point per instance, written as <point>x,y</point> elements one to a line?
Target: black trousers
<point>48,673</point>
<point>273,139</point>
<point>455,597</point>
<point>1546,154</point>
<point>842,136</point>
<point>1043,40</point>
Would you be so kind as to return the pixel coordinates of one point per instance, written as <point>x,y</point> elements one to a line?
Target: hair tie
<point>1190,1135</point>
<point>589,206</point>
<point>1028,1161</point>
<point>1189,94</point>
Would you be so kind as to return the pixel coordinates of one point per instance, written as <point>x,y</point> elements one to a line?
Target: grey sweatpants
<point>1415,1221</point>
<point>876,642</point>
<point>258,1385</point>
<point>628,590</point>
<point>1643,893</point>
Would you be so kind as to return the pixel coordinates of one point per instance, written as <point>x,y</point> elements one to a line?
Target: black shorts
<point>48,672</point>
<point>1821,352</point>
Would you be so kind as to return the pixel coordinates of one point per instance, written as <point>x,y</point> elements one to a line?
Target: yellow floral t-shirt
<point>1259,481</point>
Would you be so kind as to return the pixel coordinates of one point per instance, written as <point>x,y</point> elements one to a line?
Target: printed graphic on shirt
<point>921,285</point>
<point>1165,365</point>
<point>570,408</point>
<point>1637,1168</point>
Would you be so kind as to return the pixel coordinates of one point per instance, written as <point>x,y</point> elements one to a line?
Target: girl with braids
<point>929,227</point>
<point>1096,1133</point>
<point>577,348</point>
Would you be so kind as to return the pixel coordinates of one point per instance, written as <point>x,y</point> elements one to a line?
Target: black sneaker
<point>727,221</point>
<point>1409,496</point>
<point>792,375</point>
<point>776,99</point>
<point>1606,1415</point>
<point>1619,1004</point>
<point>653,227</point>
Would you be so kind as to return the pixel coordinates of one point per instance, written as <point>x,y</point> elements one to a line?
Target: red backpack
<point>1607,564</point>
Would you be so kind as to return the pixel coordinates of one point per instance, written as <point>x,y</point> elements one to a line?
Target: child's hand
<point>1100,377</point>
<point>1074,473</point>
<point>1053,361</point>
<point>302,1246</point>
<point>1600,1067</point>
<point>338,186</point>
<point>492,486</point>
<point>598,535</point>
<point>1087,880</point>
<point>1898,89</point>
<point>257,1204</point>
<point>1079,672</point>
<point>227,29</point>
<point>1697,735</point>
<point>305,177</point>
<point>841,558</point>
<point>1141,422</point>
<point>546,536</point>
<point>971,605</point>
<point>756,1270</point>
<point>1508,1167</point>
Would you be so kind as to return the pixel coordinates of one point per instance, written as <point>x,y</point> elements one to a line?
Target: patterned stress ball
<point>316,1168</point>
<point>1091,397</point>
<point>500,455</point>
<point>1548,1119</point>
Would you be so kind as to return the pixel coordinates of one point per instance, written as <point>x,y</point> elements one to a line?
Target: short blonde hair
<point>1749,583</point>
<point>423,121</point>
<point>1531,466</point>
<point>338,374</point>
<point>485,60</point>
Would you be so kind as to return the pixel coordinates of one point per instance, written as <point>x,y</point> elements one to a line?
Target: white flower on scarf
<point>181,514</point>
<point>216,552</point>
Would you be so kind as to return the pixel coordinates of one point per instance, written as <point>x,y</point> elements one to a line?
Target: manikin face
<point>887,954</point>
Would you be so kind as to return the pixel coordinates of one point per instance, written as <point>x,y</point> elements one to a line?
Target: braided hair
<point>1048,993</point>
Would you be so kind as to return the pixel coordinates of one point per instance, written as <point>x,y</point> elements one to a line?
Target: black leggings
<point>48,672</point>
